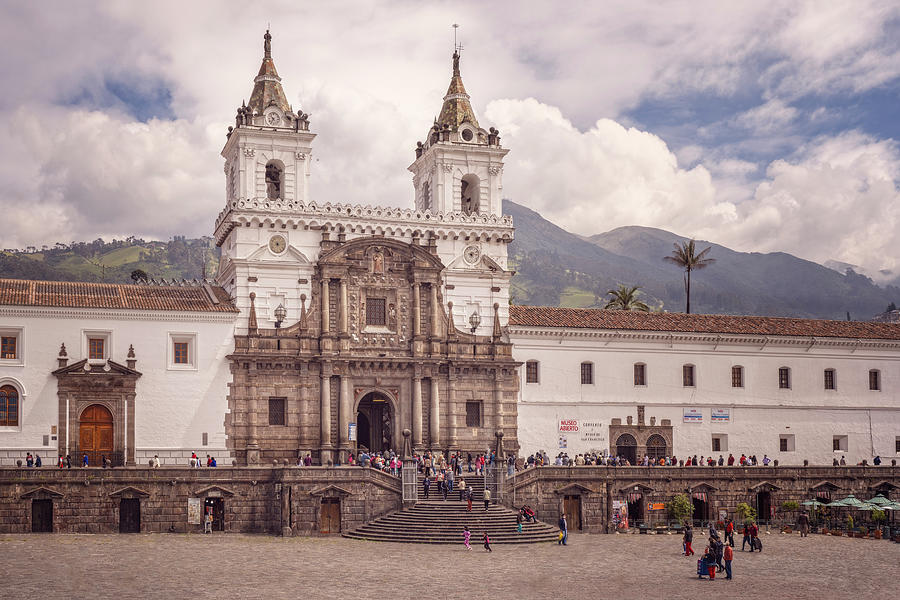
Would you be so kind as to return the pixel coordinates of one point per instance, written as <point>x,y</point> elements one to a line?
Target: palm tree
<point>626,298</point>
<point>685,256</point>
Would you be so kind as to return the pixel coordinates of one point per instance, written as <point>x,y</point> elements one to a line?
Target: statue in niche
<point>378,263</point>
<point>273,181</point>
<point>392,318</point>
<point>426,196</point>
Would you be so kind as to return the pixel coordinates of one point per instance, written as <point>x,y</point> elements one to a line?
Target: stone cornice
<point>115,315</point>
<point>669,338</point>
<point>240,212</point>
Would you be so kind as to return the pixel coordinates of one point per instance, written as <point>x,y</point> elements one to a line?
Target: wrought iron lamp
<point>280,314</point>
<point>474,322</point>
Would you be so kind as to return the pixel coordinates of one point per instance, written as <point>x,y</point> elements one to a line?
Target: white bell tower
<point>459,167</point>
<point>267,154</point>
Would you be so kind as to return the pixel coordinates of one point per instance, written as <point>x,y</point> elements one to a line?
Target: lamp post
<point>474,322</point>
<point>280,314</point>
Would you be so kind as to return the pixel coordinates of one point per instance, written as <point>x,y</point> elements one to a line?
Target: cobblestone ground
<point>591,566</point>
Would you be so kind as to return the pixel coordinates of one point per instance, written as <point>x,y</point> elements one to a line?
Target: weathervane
<point>456,47</point>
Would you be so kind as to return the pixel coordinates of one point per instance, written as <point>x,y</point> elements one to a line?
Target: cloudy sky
<point>764,126</point>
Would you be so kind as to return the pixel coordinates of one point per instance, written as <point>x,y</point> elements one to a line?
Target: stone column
<point>252,439</point>
<point>325,305</point>
<point>435,312</point>
<point>325,406</point>
<point>498,402</point>
<point>417,412</point>
<point>129,429</point>
<point>345,418</point>
<point>345,307</point>
<point>417,310</point>
<point>435,414</point>
<point>306,409</point>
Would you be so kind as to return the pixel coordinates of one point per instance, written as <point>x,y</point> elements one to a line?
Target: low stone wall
<point>595,489</point>
<point>274,500</point>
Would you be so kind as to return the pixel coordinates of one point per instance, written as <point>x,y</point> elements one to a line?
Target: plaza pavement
<point>222,566</point>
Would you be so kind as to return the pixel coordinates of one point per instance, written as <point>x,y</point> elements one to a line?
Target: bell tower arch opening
<point>469,192</point>
<point>275,180</point>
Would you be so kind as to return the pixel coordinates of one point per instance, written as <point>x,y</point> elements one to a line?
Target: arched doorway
<point>95,435</point>
<point>626,447</point>
<point>656,447</point>
<point>374,422</point>
<point>701,508</point>
<point>763,506</point>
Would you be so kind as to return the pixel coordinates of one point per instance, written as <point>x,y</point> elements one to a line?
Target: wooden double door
<point>95,435</point>
<point>331,515</point>
<point>572,510</point>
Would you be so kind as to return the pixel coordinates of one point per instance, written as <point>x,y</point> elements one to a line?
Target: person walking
<point>688,540</point>
<point>754,538</point>
<point>469,495</point>
<point>426,485</point>
<point>444,484</point>
<point>487,542</point>
<point>84,460</point>
<point>803,520</point>
<point>462,489</point>
<point>487,498</point>
<point>519,519</point>
<point>729,532</point>
<point>746,538</point>
<point>728,554</point>
<point>563,530</point>
<point>466,536</point>
<point>37,460</point>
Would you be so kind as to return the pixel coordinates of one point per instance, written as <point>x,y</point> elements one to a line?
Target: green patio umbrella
<point>853,502</point>
<point>879,500</point>
<point>837,504</point>
<point>813,503</point>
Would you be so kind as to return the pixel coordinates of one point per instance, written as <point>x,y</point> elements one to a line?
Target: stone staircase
<point>435,521</point>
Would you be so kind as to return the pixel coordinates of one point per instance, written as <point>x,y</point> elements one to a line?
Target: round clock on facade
<point>273,118</point>
<point>471,254</point>
<point>277,244</point>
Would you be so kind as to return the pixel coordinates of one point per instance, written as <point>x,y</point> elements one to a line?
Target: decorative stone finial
<point>62,350</point>
<point>496,332</point>
<point>251,325</point>
<point>130,350</point>
<point>267,45</point>
<point>63,358</point>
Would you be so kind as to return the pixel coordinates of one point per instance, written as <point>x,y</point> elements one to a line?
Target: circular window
<point>467,135</point>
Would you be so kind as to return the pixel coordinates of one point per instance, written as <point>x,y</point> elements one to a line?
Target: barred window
<point>783,445</point>
<point>95,348</point>
<point>9,406</point>
<point>181,353</point>
<point>640,374</point>
<point>737,377</point>
<point>276,411</point>
<point>8,347</point>
<point>375,311</point>
<point>531,371</point>
<point>829,379</point>
<point>687,375</point>
<point>587,373</point>
<point>875,381</point>
<point>784,378</point>
<point>473,413</point>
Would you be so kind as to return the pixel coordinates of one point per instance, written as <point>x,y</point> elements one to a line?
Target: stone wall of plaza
<point>593,490</point>
<point>272,500</point>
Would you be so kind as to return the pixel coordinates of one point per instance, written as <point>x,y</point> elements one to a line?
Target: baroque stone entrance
<point>374,423</point>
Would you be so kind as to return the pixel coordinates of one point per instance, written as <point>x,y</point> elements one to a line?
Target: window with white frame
<point>687,375</point>
<point>11,350</point>
<point>640,374</point>
<point>182,351</point>
<point>737,376</point>
<point>96,345</point>
<point>720,442</point>
<point>840,443</point>
<point>784,378</point>
<point>587,373</point>
<point>786,442</point>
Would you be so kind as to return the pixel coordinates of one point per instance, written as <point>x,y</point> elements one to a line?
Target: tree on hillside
<point>685,255</point>
<point>139,275</point>
<point>626,298</point>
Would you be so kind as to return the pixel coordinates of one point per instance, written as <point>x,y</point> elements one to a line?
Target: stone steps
<point>439,522</point>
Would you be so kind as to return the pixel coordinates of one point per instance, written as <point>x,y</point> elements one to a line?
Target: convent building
<point>331,327</point>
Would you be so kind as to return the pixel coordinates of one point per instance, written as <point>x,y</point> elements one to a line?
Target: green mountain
<point>113,262</point>
<point>557,268</point>
<point>553,268</point>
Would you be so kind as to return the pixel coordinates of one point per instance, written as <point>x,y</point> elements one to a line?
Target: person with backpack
<point>755,544</point>
<point>426,485</point>
<point>563,530</point>
<point>747,539</point>
<point>688,540</point>
<point>487,542</point>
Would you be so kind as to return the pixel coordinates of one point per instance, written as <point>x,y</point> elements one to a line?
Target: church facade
<point>332,327</point>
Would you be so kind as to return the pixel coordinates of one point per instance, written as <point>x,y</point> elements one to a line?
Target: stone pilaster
<point>345,417</point>
<point>417,310</point>
<point>435,414</point>
<point>325,408</point>
<point>417,412</point>
<point>345,308</point>
<point>325,305</point>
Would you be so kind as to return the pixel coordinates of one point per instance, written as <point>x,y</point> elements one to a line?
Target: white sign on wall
<point>720,415</point>
<point>563,442</point>
<point>195,510</point>
<point>693,415</point>
<point>590,433</point>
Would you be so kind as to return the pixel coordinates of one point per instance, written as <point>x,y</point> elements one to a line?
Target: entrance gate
<point>410,479</point>
<point>626,447</point>
<point>95,435</point>
<point>493,480</point>
<point>572,509</point>
<point>42,516</point>
<point>218,512</point>
<point>130,515</point>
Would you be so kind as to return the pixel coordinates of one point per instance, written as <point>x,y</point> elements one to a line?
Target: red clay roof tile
<point>77,294</point>
<point>594,318</point>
